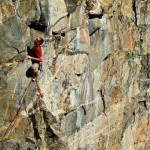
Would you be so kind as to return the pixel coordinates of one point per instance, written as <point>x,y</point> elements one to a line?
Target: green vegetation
<point>79,2</point>
<point>145,65</point>
<point>129,56</point>
<point>133,55</point>
<point>144,61</point>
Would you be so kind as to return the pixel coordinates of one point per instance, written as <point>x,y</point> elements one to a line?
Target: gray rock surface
<point>96,77</point>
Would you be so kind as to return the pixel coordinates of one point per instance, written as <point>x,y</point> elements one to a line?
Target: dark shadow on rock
<point>71,6</point>
<point>37,26</point>
<point>28,50</point>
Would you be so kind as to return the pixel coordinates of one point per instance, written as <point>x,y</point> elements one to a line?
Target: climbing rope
<point>12,124</point>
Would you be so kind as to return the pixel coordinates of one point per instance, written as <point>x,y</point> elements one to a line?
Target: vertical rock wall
<point>96,77</point>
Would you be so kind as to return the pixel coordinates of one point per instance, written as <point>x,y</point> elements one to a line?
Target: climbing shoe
<point>42,95</point>
<point>34,79</point>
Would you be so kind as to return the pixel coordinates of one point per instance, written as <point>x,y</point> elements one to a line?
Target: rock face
<point>96,77</point>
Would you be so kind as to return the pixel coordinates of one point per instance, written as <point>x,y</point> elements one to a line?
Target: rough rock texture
<point>96,77</point>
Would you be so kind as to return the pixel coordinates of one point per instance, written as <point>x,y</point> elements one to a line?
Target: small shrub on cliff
<point>79,2</point>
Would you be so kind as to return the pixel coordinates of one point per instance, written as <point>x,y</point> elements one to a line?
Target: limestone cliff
<point>96,77</point>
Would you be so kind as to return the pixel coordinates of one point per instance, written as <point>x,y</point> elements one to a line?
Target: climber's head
<point>38,41</point>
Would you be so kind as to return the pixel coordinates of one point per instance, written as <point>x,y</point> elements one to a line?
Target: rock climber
<point>35,54</point>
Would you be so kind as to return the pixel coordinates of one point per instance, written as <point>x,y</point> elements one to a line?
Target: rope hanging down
<point>12,124</point>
